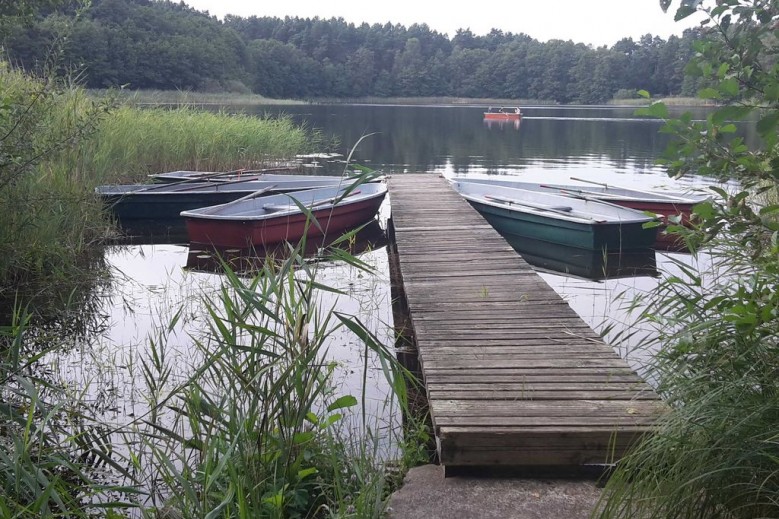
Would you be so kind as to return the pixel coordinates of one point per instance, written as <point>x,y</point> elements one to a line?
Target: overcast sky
<point>597,22</point>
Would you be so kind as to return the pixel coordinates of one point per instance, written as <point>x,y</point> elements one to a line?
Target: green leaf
<point>770,209</point>
<point>705,210</point>
<point>772,92</point>
<point>730,113</point>
<point>302,437</point>
<point>304,473</point>
<point>343,402</point>
<point>275,500</point>
<point>684,12</point>
<point>728,128</point>
<point>654,110</point>
<point>644,94</point>
<point>709,93</point>
<point>768,124</point>
<point>729,87</point>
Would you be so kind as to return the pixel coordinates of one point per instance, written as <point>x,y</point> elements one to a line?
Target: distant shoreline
<point>195,99</point>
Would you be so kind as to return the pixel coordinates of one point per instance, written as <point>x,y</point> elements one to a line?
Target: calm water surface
<point>150,281</point>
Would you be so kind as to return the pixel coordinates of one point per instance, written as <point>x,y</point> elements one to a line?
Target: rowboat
<point>575,222</point>
<point>261,221</point>
<point>664,205</point>
<point>661,204</point>
<point>166,201</point>
<point>503,113</point>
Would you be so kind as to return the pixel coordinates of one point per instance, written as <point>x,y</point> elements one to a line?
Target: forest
<point>159,44</point>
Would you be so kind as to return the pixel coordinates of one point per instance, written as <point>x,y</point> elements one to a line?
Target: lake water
<point>153,278</point>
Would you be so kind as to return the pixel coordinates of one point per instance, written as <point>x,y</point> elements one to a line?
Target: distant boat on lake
<point>503,113</point>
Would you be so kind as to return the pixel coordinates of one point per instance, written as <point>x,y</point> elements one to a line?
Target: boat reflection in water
<point>502,124</point>
<point>202,258</point>
<point>152,232</point>
<point>584,263</point>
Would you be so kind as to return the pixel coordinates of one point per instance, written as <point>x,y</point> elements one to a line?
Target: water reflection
<point>250,261</point>
<point>584,263</point>
<point>491,124</point>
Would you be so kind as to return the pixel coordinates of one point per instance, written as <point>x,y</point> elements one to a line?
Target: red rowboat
<point>253,222</point>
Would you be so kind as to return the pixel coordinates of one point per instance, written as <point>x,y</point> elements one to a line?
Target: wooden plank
<point>513,375</point>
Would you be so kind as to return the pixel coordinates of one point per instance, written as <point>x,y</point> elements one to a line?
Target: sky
<point>595,22</point>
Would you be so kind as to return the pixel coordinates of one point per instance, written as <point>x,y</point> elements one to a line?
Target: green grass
<point>188,98</point>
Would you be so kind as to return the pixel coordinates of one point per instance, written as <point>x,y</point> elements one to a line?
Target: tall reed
<point>59,143</point>
<point>260,429</point>
<point>134,142</point>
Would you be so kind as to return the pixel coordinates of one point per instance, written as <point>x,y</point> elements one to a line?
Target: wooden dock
<point>513,376</point>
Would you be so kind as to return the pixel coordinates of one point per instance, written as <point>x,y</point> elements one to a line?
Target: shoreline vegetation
<point>259,428</point>
<point>193,98</point>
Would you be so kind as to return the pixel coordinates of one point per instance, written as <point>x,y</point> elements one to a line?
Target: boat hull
<point>501,117</point>
<point>251,233</point>
<point>606,236</point>
<point>167,201</point>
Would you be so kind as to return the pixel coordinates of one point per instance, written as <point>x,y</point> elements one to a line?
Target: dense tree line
<point>159,44</point>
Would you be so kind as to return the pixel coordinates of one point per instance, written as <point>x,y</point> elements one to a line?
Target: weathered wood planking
<point>514,377</point>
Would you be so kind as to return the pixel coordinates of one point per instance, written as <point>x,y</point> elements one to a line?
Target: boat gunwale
<point>202,214</point>
<point>638,216</point>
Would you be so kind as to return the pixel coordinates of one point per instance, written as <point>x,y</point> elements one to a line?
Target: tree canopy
<point>159,44</point>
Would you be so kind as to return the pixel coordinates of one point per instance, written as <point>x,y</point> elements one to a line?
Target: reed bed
<point>135,142</point>
<point>187,98</point>
<point>260,427</point>
<point>61,142</point>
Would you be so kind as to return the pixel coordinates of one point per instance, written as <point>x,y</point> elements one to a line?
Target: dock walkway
<point>513,376</point>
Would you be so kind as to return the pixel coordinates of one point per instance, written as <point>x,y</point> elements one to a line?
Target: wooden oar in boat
<point>592,196</point>
<point>561,210</point>
<point>217,185</point>
<point>644,191</point>
<point>280,207</point>
<point>210,176</point>
<point>243,198</point>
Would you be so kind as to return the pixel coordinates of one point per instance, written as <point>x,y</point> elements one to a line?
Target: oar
<point>541,207</point>
<point>338,197</point>
<point>642,191</point>
<point>271,207</point>
<point>242,199</point>
<point>178,182</point>
<point>594,196</point>
<point>218,185</point>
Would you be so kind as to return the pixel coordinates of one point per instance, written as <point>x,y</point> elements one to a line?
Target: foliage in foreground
<point>49,216</point>
<point>259,428</point>
<point>717,453</point>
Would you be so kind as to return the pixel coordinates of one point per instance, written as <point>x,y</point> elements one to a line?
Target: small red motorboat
<point>503,113</point>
